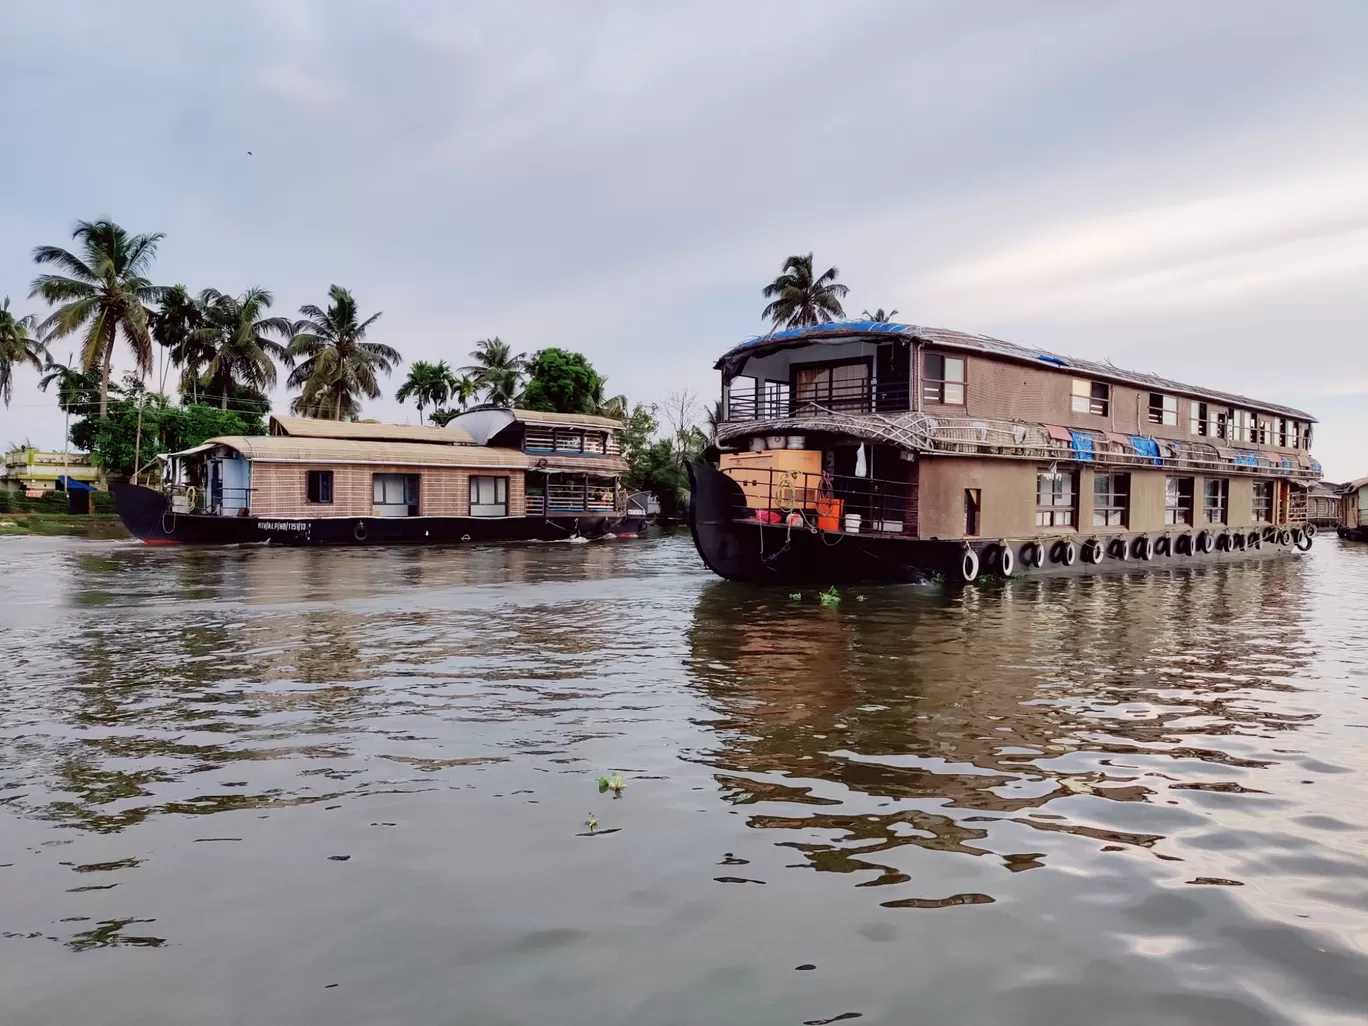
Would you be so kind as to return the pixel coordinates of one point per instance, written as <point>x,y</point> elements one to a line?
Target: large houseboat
<point>890,452</point>
<point>490,474</point>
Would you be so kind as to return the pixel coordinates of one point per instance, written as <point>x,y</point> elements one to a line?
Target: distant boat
<point>492,474</point>
<point>874,451</point>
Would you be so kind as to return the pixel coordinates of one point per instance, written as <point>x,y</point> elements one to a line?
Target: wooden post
<point>137,443</point>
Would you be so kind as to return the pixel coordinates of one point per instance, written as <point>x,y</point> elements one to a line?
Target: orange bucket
<point>829,514</point>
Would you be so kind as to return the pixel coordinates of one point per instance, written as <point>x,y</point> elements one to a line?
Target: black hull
<point>147,516</point>
<point>773,553</point>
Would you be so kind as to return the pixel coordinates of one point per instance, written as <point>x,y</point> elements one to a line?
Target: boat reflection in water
<point>900,719</point>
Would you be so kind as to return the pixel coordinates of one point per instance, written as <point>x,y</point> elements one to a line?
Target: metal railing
<point>836,503</point>
<point>919,432</point>
<point>821,401</point>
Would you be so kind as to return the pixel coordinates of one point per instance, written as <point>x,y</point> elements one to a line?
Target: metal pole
<point>137,443</point>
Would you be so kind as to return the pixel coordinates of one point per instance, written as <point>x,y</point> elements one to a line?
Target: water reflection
<point>1134,778</point>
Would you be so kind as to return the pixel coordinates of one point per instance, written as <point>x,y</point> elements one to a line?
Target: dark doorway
<point>972,508</point>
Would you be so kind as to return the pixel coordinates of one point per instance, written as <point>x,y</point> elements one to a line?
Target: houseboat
<point>1353,525</point>
<point>870,451</point>
<point>492,474</point>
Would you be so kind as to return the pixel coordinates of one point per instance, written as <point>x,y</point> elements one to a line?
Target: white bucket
<point>852,523</point>
<point>757,444</point>
<point>775,441</point>
<point>797,441</point>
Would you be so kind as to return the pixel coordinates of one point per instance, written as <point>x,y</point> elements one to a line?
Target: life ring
<point>1163,546</point>
<point>1309,530</point>
<point>1093,551</point>
<point>1005,560</point>
<point>1305,538</point>
<point>1033,554</point>
<point>969,565</point>
<point>1205,542</point>
<point>359,531</point>
<point>1144,548</point>
<point>1185,544</point>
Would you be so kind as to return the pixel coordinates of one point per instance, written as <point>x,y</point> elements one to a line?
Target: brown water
<point>260,786</point>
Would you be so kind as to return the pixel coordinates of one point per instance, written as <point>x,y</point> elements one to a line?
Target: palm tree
<point>18,345</point>
<point>338,362</point>
<point>496,370</point>
<point>71,382</point>
<point>104,291</point>
<point>878,316</point>
<point>605,405</point>
<point>173,325</point>
<point>325,400</point>
<point>798,299</point>
<point>428,384</point>
<point>464,389</point>
<point>234,337</point>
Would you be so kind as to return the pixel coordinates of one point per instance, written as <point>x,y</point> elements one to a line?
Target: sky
<point>1180,188</point>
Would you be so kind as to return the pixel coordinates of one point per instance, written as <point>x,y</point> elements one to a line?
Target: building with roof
<point>917,435</point>
<point>33,471</point>
<point>489,474</point>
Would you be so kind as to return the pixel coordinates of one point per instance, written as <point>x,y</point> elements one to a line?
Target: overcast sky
<point>1180,187</point>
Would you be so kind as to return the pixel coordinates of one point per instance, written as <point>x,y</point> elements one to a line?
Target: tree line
<point>226,351</point>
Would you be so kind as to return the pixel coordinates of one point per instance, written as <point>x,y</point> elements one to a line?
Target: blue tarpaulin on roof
<point>1145,447</point>
<point>1082,444</point>
<point>72,485</point>
<point>1246,459</point>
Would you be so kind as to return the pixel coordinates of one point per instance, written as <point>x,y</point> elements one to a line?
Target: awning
<point>72,485</point>
<point>1059,434</point>
<point>1116,439</point>
<point>202,447</point>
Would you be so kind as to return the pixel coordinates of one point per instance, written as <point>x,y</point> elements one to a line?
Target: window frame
<point>1261,510</point>
<point>501,484</point>
<point>315,490</point>
<point>412,487</point>
<point>1223,505</point>
<point>1180,513</point>
<point>1056,514</point>
<point>1091,399</point>
<point>973,512</point>
<point>1199,421</point>
<point>1113,513</point>
<point>1160,414</point>
<point>936,388</point>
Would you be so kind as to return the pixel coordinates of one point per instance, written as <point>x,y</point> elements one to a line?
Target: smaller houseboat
<point>1353,524</point>
<point>492,474</point>
<point>892,452</point>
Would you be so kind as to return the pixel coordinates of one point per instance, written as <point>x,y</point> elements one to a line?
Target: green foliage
<point>19,346</point>
<point>799,299</point>
<point>562,382</point>
<point>496,370</point>
<point>337,364</point>
<point>428,384</point>
<point>113,441</point>
<point>103,292</point>
<point>830,597</point>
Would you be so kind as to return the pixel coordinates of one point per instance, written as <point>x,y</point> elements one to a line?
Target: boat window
<point>1215,494</point>
<point>1178,500</point>
<point>943,379</point>
<point>1295,432</point>
<point>489,496</point>
<point>1054,499</point>
<point>1263,501</point>
<point>1111,499</point>
<point>1306,436</point>
<point>1222,423</point>
<point>395,495</point>
<point>1199,423</point>
<point>1241,430</point>
<point>1282,431</point>
<point>1163,409</point>
<point>1091,397</point>
<point>973,506</point>
<point>837,386</point>
<point>320,486</point>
